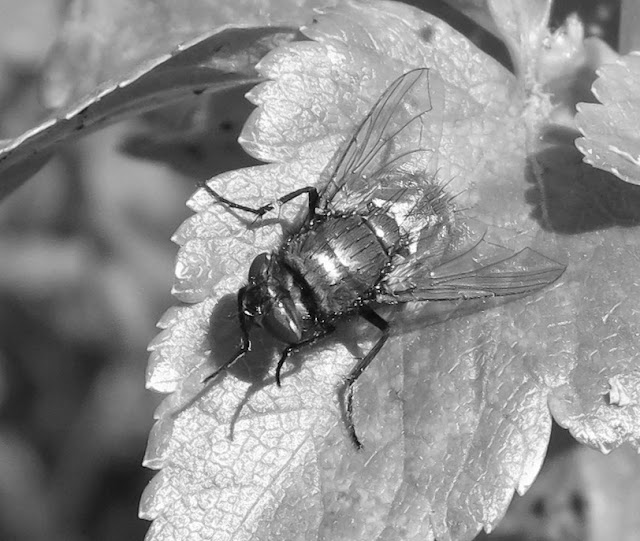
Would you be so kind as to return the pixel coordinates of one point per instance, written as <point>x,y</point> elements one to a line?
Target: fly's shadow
<point>224,336</point>
<point>571,197</point>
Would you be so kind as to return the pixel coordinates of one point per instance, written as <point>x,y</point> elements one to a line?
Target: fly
<point>378,231</point>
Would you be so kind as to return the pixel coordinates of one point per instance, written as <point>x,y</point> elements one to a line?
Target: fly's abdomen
<point>341,259</point>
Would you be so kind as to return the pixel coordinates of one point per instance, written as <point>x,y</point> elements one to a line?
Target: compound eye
<point>259,267</point>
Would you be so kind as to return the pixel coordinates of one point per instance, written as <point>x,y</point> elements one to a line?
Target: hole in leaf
<point>539,508</point>
<point>578,505</point>
<point>426,33</point>
<point>226,125</point>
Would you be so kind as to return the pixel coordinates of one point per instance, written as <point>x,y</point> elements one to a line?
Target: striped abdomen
<point>342,258</point>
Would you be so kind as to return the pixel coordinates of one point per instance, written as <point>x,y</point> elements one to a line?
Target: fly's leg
<point>240,353</point>
<point>245,346</point>
<point>290,350</point>
<point>347,390</point>
<point>260,211</point>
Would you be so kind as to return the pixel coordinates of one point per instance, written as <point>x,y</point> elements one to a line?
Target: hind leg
<point>347,390</point>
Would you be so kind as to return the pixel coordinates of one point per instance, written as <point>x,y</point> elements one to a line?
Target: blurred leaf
<point>224,59</point>
<point>102,41</point>
<point>557,67</point>
<point>567,68</point>
<point>26,32</point>
<point>523,25</point>
<point>197,136</point>
<point>478,11</point>
<point>24,508</point>
<point>612,485</point>
<point>628,22</point>
<point>580,495</point>
<point>39,264</point>
<point>453,417</point>
<point>610,129</point>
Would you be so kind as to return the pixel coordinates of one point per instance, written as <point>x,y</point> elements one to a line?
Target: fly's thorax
<point>340,259</point>
<point>267,300</point>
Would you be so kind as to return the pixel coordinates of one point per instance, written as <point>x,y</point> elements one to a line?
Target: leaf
<point>454,416</point>
<point>610,140</point>
<point>591,215</point>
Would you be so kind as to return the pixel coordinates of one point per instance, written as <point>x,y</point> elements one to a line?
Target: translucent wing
<point>387,170</point>
<point>395,135</point>
<point>445,255</point>
<point>471,275</point>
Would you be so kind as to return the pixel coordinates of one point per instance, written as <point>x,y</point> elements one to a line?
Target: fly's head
<point>266,301</point>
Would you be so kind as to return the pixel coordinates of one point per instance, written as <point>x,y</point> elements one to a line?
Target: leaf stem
<point>629,38</point>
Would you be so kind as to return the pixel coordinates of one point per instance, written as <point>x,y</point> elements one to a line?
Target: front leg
<point>260,211</point>
<point>290,350</point>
